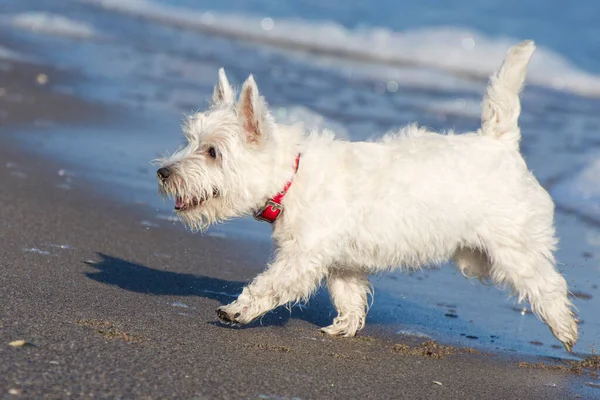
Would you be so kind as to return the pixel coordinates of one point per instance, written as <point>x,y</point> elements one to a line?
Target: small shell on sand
<point>41,79</point>
<point>20,343</point>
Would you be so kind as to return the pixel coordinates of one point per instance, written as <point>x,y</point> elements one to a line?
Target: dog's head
<point>225,169</point>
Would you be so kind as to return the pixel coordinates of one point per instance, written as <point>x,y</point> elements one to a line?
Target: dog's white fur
<point>412,199</point>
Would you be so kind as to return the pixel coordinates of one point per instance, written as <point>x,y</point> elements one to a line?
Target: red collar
<point>273,208</point>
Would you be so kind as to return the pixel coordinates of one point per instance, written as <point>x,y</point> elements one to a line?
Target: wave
<point>51,24</point>
<point>309,119</point>
<point>8,54</point>
<point>460,51</point>
<point>581,194</point>
<point>461,107</point>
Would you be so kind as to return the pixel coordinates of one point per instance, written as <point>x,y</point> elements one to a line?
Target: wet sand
<point>114,308</point>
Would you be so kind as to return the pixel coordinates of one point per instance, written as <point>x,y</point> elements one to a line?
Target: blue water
<point>360,69</point>
<point>572,30</point>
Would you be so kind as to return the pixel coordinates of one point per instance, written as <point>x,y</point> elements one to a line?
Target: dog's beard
<point>197,220</point>
<point>200,208</point>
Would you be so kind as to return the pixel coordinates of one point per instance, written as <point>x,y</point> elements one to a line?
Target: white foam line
<point>7,54</point>
<point>50,24</point>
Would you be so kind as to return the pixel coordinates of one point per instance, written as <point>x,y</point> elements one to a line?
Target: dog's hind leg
<point>528,268</point>
<point>349,291</point>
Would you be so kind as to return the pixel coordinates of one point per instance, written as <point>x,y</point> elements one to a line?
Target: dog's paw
<point>567,333</point>
<point>226,317</point>
<point>345,326</point>
<point>242,312</point>
<point>231,314</point>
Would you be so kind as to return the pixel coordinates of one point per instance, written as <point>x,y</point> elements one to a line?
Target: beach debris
<point>20,343</point>
<point>593,384</point>
<point>340,355</point>
<point>149,224</point>
<point>41,79</point>
<point>37,251</point>
<point>185,314</point>
<point>313,338</point>
<point>58,246</point>
<point>589,365</point>
<point>405,332</point>
<point>15,391</point>
<point>109,331</point>
<point>170,218</point>
<point>430,348</point>
<point>437,383</point>
<point>180,304</point>
<point>267,346</point>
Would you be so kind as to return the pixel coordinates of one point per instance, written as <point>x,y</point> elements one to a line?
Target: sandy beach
<point>111,305</point>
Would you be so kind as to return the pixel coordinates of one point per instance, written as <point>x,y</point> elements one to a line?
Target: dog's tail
<point>501,105</point>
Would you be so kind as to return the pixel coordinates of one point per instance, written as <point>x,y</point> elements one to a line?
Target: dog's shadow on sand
<point>141,279</point>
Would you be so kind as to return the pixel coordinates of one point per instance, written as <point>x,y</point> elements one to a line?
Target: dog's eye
<point>212,152</point>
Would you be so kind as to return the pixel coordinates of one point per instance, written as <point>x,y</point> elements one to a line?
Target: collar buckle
<point>269,213</point>
<point>273,208</point>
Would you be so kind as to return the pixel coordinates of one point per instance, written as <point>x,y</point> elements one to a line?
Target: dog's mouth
<point>188,203</point>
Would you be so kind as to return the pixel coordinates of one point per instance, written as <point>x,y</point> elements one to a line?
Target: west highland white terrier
<point>343,210</point>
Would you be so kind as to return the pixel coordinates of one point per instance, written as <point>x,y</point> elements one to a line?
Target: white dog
<point>347,210</point>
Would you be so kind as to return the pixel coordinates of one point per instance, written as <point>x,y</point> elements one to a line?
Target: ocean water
<point>359,69</point>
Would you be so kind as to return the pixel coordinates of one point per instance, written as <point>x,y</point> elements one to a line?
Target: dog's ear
<point>223,93</point>
<point>254,112</point>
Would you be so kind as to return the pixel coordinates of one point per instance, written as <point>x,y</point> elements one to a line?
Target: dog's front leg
<point>291,278</point>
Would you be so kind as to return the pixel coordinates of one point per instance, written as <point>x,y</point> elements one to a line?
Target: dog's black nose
<point>163,173</point>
